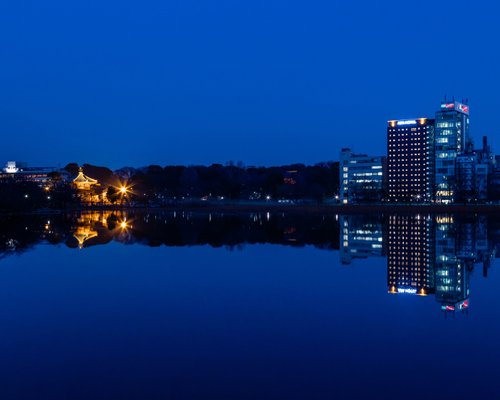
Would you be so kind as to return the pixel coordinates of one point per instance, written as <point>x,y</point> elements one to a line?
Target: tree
<point>111,194</point>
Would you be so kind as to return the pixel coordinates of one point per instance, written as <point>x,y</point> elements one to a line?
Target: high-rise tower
<point>410,161</point>
<point>451,138</point>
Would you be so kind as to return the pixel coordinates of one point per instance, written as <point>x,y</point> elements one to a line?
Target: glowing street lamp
<point>123,189</point>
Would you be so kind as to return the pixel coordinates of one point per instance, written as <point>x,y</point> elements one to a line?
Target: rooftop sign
<point>463,108</point>
<point>407,122</point>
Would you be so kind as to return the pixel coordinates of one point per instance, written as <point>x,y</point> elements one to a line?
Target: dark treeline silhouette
<point>26,195</point>
<point>160,184</point>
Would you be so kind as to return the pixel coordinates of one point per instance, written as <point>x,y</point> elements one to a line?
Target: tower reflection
<point>410,255</point>
<point>426,254</point>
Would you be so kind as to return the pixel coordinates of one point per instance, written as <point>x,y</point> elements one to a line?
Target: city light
<point>407,122</point>
<point>407,290</point>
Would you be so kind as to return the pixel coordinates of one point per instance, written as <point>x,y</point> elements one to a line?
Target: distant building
<point>472,169</point>
<point>361,177</point>
<point>11,167</point>
<point>22,172</point>
<point>451,139</point>
<point>410,161</point>
<point>494,182</point>
<point>471,178</point>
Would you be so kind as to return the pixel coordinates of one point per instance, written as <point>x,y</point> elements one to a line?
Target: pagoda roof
<point>82,178</point>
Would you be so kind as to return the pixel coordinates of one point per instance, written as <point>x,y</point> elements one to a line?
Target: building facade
<point>472,170</point>
<point>361,177</point>
<point>20,171</point>
<point>451,139</point>
<point>410,161</point>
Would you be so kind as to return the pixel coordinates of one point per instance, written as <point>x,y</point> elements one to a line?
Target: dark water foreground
<point>180,305</point>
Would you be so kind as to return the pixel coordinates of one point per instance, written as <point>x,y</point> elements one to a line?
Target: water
<point>252,306</point>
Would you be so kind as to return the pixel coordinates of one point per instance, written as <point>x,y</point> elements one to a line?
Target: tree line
<point>159,184</point>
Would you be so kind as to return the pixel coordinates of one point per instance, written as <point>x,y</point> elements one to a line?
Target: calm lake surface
<point>253,306</point>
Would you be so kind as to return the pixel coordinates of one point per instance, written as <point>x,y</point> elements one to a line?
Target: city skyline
<point>249,199</point>
<point>189,83</point>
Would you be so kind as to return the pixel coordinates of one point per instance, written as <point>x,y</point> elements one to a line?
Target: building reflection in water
<point>361,237</point>
<point>410,258</point>
<point>426,254</point>
<point>454,262</point>
<point>99,227</point>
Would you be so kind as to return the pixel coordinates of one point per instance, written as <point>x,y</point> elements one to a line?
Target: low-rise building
<point>22,172</point>
<point>361,177</point>
<point>472,170</point>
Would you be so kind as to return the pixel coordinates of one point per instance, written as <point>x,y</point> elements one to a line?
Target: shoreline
<point>288,208</point>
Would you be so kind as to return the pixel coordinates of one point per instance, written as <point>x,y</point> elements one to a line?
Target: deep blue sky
<point>265,82</point>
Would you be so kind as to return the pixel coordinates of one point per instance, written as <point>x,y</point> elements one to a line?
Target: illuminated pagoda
<point>84,182</point>
<point>86,185</point>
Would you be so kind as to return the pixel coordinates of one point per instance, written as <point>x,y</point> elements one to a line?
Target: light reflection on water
<point>308,307</point>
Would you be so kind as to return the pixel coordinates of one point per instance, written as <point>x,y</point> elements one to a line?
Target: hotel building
<point>410,149</point>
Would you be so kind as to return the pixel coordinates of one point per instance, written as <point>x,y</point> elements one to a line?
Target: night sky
<point>266,82</point>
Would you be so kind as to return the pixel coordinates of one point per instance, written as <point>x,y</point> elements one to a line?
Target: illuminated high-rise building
<point>410,161</point>
<point>451,139</point>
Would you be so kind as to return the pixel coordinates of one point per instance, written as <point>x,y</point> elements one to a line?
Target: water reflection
<point>426,254</point>
<point>82,230</point>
